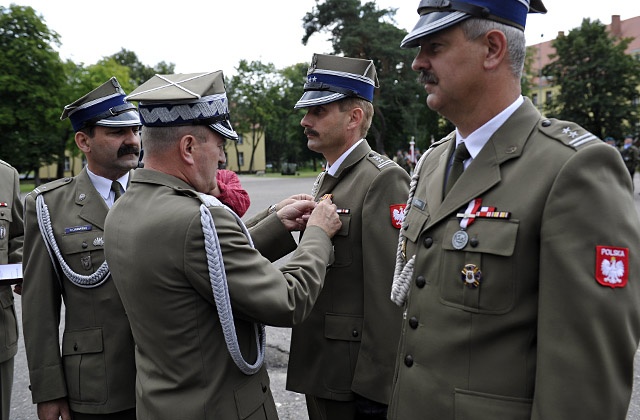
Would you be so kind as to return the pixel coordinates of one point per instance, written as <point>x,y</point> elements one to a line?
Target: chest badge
<point>471,276</point>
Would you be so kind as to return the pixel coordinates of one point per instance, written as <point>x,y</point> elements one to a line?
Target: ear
<point>186,149</point>
<point>356,115</point>
<point>497,50</point>
<point>82,141</point>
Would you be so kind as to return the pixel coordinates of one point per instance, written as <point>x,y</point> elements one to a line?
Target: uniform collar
<point>103,185</point>
<point>476,140</point>
<point>333,169</point>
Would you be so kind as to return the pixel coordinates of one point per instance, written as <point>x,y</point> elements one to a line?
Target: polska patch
<point>612,266</point>
<point>397,212</point>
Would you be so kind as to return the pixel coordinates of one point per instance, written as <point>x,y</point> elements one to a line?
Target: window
<point>534,99</point>
<point>240,159</point>
<point>547,97</point>
<point>67,164</point>
<point>239,138</point>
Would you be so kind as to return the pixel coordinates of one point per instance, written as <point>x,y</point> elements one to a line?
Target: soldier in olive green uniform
<point>342,356</point>
<point>521,296</point>
<point>11,236</point>
<point>194,287</point>
<point>94,375</point>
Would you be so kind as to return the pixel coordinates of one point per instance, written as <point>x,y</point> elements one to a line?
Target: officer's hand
<point>293,199</point>
<point>295,214</point>
<point>54,410</point>
<point>326,217</point>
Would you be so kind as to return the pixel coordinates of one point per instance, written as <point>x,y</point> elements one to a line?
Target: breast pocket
<point>83,251</point>
<point>5,220</point>
<point>84,365</point>
<point>481,277</point>
<point>341,245</point>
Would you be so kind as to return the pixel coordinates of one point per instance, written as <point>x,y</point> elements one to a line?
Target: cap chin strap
<point>320,86</point>
<point>220,287</point>
<point>111,112</point>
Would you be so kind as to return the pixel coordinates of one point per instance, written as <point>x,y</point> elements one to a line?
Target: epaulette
<point>378,160</point>
<point>49,186</point>
<point>568,133</point>
<point>188,192</point>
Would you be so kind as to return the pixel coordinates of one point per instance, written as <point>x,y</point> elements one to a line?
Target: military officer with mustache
<point>93,375</point>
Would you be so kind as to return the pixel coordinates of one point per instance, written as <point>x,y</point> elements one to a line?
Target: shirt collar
<point>103,185</point>
<point>476,140</point>
<point>331,170</point>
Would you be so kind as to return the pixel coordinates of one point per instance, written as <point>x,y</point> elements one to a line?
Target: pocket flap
<point>343,327</point>
<point>82,341</point>
<point>251,395</point>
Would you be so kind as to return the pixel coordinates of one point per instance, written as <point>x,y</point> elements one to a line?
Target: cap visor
<point>317,97</point>
<point>224,128</point>
<point>431,23</point>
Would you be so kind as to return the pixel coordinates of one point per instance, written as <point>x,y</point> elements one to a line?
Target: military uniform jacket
<point>348,343</point>
<point>184,368</point>
<point>11,237</point>
<point>96,369</point>
<point>538,337</point>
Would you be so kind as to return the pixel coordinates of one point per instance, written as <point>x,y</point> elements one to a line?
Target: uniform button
<point>405,227</point>
<point>474,242</point>
<point>264,388</point>
<point>75,347</point>
<point>408,360</point>
<point>546,123</point>
<point>420,281</point>
<point>355,333</point>
<point>413,322</point>
<point>428,242</point>
<point>84,245</point>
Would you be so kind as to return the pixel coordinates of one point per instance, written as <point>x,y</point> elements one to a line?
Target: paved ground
<point>291,406</point>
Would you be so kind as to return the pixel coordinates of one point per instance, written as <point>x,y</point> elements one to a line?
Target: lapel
<point>93,209</point>
<point>329,182</point>
<point>485,171</point>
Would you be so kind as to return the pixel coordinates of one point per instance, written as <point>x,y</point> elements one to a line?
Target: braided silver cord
<point>44,223</point>
<point>403,272</point>
<point>220,287</point>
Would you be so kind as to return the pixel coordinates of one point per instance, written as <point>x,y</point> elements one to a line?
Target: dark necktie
<point>117,190</point>
<point>457,167</point>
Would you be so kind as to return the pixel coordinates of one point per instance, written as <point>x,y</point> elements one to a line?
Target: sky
<point>201,35</point>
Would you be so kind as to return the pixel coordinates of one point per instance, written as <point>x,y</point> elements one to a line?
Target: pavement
<point>263,191</point>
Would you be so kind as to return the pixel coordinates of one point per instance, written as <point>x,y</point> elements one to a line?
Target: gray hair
<point>474,28</point>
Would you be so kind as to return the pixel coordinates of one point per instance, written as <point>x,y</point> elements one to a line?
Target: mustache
<point>128,150</point>
<point>309,131</point>
<point>427,77</point>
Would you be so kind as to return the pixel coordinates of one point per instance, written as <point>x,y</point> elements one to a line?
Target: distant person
<point>629,154</point>
<point>11,238</point>
<point>342,356</point>
<point>195,290</point>
<point>518,266</point>
<point>93,376</point>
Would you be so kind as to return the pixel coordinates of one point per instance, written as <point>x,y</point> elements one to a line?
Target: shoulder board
<point>49,186</point>
<point>568,133</point>
<point>186,192</point>
<point>378,160</point>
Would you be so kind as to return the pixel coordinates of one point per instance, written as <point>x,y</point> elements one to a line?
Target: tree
<point>597,81</point>
<point>252,93</point>
<point>139,72</point>
<point>364,31</point>
<point>31,78</point>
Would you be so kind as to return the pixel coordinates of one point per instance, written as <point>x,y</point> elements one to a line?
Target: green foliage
<point>140,73</point>
<point>31,77</point>
<point>597,81</point>
<point>364,31</point>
